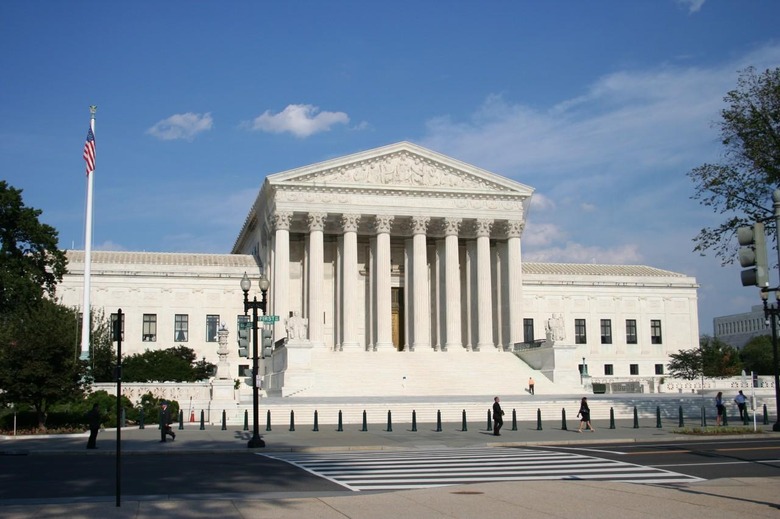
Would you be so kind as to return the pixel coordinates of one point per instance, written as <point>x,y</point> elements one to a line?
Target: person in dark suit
<point>498,417</point>
<point>165,423</point>
<point>93,419</point>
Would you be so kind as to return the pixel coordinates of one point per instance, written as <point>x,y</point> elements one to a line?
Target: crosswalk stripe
<point>395,470</point>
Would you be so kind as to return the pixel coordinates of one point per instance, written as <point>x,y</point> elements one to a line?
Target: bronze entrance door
<point>397,316</point>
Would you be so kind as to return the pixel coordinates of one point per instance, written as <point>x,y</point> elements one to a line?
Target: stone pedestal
<point>291,370</point>
<point>555,361</point>
<point>223,398</point>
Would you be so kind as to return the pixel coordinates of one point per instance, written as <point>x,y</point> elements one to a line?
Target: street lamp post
<point>256,441</point>
<point>771,312</point>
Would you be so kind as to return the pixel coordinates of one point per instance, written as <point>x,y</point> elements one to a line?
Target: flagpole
<point>85,320</point>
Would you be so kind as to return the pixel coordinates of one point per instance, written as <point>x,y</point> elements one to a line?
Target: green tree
<point>715,357</point>
<point>31,265</point>
<point>175,364</point>
<point>39,363</point>
<point>685,364</point>
<point>720,359</point>
<point>102,355</point>
<point>757,355</point>
<point>741,186</point>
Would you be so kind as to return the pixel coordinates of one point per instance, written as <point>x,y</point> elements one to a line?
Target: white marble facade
<point>395,248</point>
<point>400,250</point>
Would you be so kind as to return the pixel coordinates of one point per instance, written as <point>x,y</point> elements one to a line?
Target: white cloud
<point>300,120</point>
<point>608,165</point>
<point>181,126</point>
<point>693,5</point>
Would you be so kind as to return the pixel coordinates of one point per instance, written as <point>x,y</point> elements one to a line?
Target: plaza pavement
<point>748,497</point>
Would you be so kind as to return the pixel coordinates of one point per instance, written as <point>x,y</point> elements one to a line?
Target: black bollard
<point>438,421</point>
<point>658,417</point>
<point>489,422</point>
<point>725,417</point>
<point>681,422</point>
<point>340,427</point>
<point>538,419</point>
<point>292,421</point>
<point>389,421</point>
<point>316,422</point>
<point>611,418</point>
<point>703,417</point>
<point>181,420</point>
<point>202,421</point>
<point>141,419</point>
<point>563,420</point>
<point>766,416</point>
<point>745,417</point>
<point>122,416</point>
<point>268,420</point>
<point>224,420</point>
<point>464,427</point>
<point>514,420</point>
<point>414,420</point>
<point>636,418</point>
<point>246,420</point>
<point>365,422</point>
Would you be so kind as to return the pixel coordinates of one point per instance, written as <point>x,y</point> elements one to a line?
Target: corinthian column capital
<point>281,220</point>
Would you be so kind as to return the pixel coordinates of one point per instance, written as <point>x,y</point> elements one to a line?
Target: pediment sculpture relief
<point>401,169</point>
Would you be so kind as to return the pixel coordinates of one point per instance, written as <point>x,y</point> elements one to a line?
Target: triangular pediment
<point>402,165</point>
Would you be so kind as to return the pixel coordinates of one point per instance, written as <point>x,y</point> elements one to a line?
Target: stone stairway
<point>429,373</point>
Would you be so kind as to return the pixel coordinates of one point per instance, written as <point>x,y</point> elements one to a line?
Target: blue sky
<point>601,106</point>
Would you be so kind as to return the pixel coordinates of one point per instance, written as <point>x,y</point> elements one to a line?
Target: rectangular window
<point>631,331</point>
<point>150,328</point>
<point>212,324</point>
<point>659,369</point>
<point>655,331</point>
<point>114,323</point>
<point>580,335</point>
<point>609,369</point>
<point>244,371</point>
<point>181,328</point>
<point>528,330</point>
<point>606,331</point>
<point>633,369</point>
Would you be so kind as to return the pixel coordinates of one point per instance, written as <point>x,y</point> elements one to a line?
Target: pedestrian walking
<point>720,408</point>
<point>165,423</point>
<point>498,417</point>
<point>584,414</point>
<point>741,401</point>
<point>531,385</point>
<point>93,419</point>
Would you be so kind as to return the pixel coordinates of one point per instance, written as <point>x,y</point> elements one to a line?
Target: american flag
<point>89,151</point>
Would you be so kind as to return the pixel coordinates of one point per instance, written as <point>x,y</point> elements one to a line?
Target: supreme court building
<point>405,267</point>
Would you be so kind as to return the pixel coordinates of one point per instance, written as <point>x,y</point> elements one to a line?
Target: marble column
<point>452,326</point>
<point>484,286</point>
<point>281,281</point>
<point>383,316</point>
<point>350,295</point>
<point>422,302</point>
<point>316,279</point>
<point>514,229</point>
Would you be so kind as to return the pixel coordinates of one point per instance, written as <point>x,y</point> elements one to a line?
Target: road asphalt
<point>749,497</point>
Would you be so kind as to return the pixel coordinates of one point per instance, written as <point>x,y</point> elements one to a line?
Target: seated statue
<point>296,327</point>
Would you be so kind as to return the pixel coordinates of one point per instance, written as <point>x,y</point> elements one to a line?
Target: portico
<point>396,248</point>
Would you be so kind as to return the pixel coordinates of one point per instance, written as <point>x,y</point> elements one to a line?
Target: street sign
<point>268,318</point>
<point>245,325</point>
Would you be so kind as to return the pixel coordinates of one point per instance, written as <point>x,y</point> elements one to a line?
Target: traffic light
<point>752,254</point>
<point>243,342</point>
<point>268,341</point>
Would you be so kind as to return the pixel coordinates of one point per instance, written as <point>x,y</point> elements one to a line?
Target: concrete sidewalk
<point>757,497</point>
